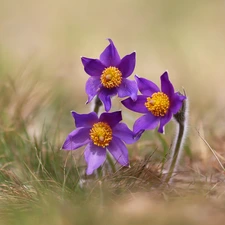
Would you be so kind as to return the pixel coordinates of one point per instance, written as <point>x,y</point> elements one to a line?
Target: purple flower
<point>100,134</point>
<point>158,106</point>
<point>108,76</point>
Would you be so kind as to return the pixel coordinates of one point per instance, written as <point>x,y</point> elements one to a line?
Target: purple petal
<point>166,85</point>
<point>164,120</point>
<point>128,88</point>
<point>85,60</point>
<point>112,119</point>
<point>110,56</point>
<point>138,105</point>
<point>93,67</point>
<point>124,133</point>
<point>127,65</point>
<point>94,156</point>
<point>146,87</point>
<point>146,122</point>
<point>84,120</point>
<point>92,87</point>
<point>176,102</point>
<point>119,151</point>
<point>76,139</point>
<point>105,96</point>
<point>138,134</point>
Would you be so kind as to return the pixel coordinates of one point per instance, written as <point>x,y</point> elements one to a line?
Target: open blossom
<point>99,135</point>
<point>158,106</point>
<point>108,76</point>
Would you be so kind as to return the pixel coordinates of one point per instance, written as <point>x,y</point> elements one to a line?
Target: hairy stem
<point>176,151</point>
<point>181,120</point>
<point>97,105</point>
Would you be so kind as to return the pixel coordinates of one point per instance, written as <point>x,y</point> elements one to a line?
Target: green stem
<point>176,151</point>
<point>181,120</point>
<point>97,106</point>
<point>111,163</point>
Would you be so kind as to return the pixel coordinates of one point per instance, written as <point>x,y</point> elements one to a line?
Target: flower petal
<point>85,60</point>
<point>105,96</point>
<point>94,156</point>
<point>93,67</point>
<point>112,119</point>
<point>164,120</point>
<point>92,87</point>
<point>166,85</point>
<point>128,88</point>
<point>127,65</point>
<point>138,105</point>
<point>146,87</point>
<point>119,151</point>
<point>146,122</point>
<point>76,139</point>
<point>124,133</point>
<point>84,120</point>
<point>110,56</point>
<point>176,102</point>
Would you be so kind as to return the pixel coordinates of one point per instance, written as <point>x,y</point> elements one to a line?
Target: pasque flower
<point>99,135</point>
<point>158,106</point>
<point>108,76</point>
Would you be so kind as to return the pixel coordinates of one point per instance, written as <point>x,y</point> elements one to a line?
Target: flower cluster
<point>108,77</point>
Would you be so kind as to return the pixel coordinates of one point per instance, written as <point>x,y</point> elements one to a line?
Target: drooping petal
<point>105,96</point>
<point>128,88</point>
<point>176,102</point>
<point>119,151</point>
<point>84,120</point>
<point>166,85</point>
<point>138,105</point>
<point>92,87</point>
<point>127,65</point>
<point>124,133</point>
<point>146,87</point>
<point>93,67</point>
<point>110,56</point>
<point>164,120</point>
<point>112,119</point>
<point>76,139</point>
<point>146,122</point>
<point>94,156</point>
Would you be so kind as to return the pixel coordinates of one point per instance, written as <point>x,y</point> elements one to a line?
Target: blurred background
<point>41,43</point>
<point>42,80</point>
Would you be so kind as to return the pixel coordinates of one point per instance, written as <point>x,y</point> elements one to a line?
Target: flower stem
<point>176,151</point>
<point>181,120</point>
<point>111,162</point>
<point>97,105</point>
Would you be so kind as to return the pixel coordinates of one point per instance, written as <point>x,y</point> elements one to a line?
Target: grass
<point>42,80</point>
<point>40,181</point>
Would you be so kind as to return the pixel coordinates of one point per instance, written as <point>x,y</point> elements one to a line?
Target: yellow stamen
<point>101,134</point>
<point>111,77</point>
<point>158,104</point>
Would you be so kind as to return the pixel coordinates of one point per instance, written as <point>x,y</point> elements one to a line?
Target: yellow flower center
<point>111,77</point>
<point>101,134</point>
<point>158,104</point>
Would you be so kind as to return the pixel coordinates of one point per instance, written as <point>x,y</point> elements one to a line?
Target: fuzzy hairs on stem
<point>96,105</point>
<point>181,120</point>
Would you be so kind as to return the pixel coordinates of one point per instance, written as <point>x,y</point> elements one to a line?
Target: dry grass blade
<point>213,151</point>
